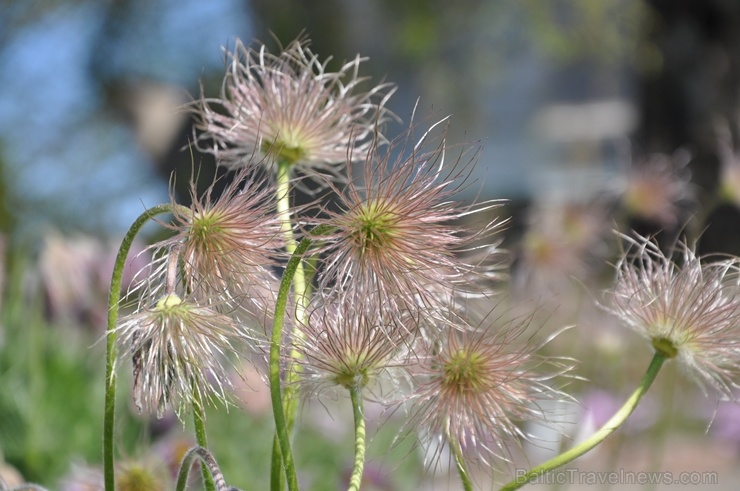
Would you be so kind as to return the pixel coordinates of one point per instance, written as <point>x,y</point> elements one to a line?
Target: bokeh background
<point>566,97</point>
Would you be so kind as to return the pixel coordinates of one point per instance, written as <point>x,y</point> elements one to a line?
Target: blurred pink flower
<point>563,244</point>
<point>83,478</point>
<point>656,187</point>
<point>76,274</point>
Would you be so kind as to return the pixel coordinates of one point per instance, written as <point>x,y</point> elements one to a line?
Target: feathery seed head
<point>346,343</point>
<point>140,476</point>
<point>472,386</point>
<point>464,370</point>
<point>178,350</point>
<point>227,245</point>
<point>290,108</point>
<point>688,309</point>
<point>399,233</point>
<point>375,226</point>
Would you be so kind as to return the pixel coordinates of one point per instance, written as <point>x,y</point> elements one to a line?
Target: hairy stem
<point>207,461</point>
<point>461,470</point>
<point>300,285</point>
<point>355,480</point>
<point>609,427</point>
<point>277,476</point>
<point>200,437</point>
<point>286,226</point>
<point>281,426</point>
<point>114,296</point>
<point>282,451</point>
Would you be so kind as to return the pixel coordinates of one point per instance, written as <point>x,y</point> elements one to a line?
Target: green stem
<point>277,476</point>
<point>355,480</point>
<point>282,452</point>
<point>301,292</point>
<point>300,286</point>
<point>286,226</point>
<point>460,464</point>
<point>199,422</point>
<point>609,427</point>
<point>207,461</point>
<point>281,427</point>
<point>114,296</point>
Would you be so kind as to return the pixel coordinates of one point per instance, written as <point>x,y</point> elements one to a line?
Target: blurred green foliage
<point>51,385</point>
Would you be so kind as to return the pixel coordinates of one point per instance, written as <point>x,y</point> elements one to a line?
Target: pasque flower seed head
<point>179,352</point>
<point>399,234</point>
<point>474,386</point>
<point>688,308</point>
<point>289,107</point>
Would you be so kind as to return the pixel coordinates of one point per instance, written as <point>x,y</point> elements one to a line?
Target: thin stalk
<point>277,476</point>
<point>609,427</point>
<point>286,226</point>
<point>281,426</point>
<point>282,451</point>
<point>300,285</point>
<point>199,422</point>
<point>301,295</point>
<point>460,464</point>
<point>114,296</point>
<point>355,480</point>
<point>207,461</point>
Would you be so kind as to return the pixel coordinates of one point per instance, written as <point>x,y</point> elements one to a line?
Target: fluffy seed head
<point>688,309</point>
<point>289,107</point>
<point>398,234</point>
<point>349,344</point>
<point>474,386</point>
<point>227,245</point>
<point>179,352</point>
<point>140,476</point>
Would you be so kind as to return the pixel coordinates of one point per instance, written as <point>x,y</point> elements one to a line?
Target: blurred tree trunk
<point>690,87</point>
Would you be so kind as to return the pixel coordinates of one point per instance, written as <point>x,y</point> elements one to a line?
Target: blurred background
<point>592,115</point>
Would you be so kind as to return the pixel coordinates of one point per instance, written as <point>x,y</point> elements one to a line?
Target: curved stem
<point>114,296</point>
<point>276,395</point>
<point>355,480</point>
<point>609,427</point>
<point>208,462</point>
<point>200,436</point>
<point>282,430</point>
<point>300,285</point>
